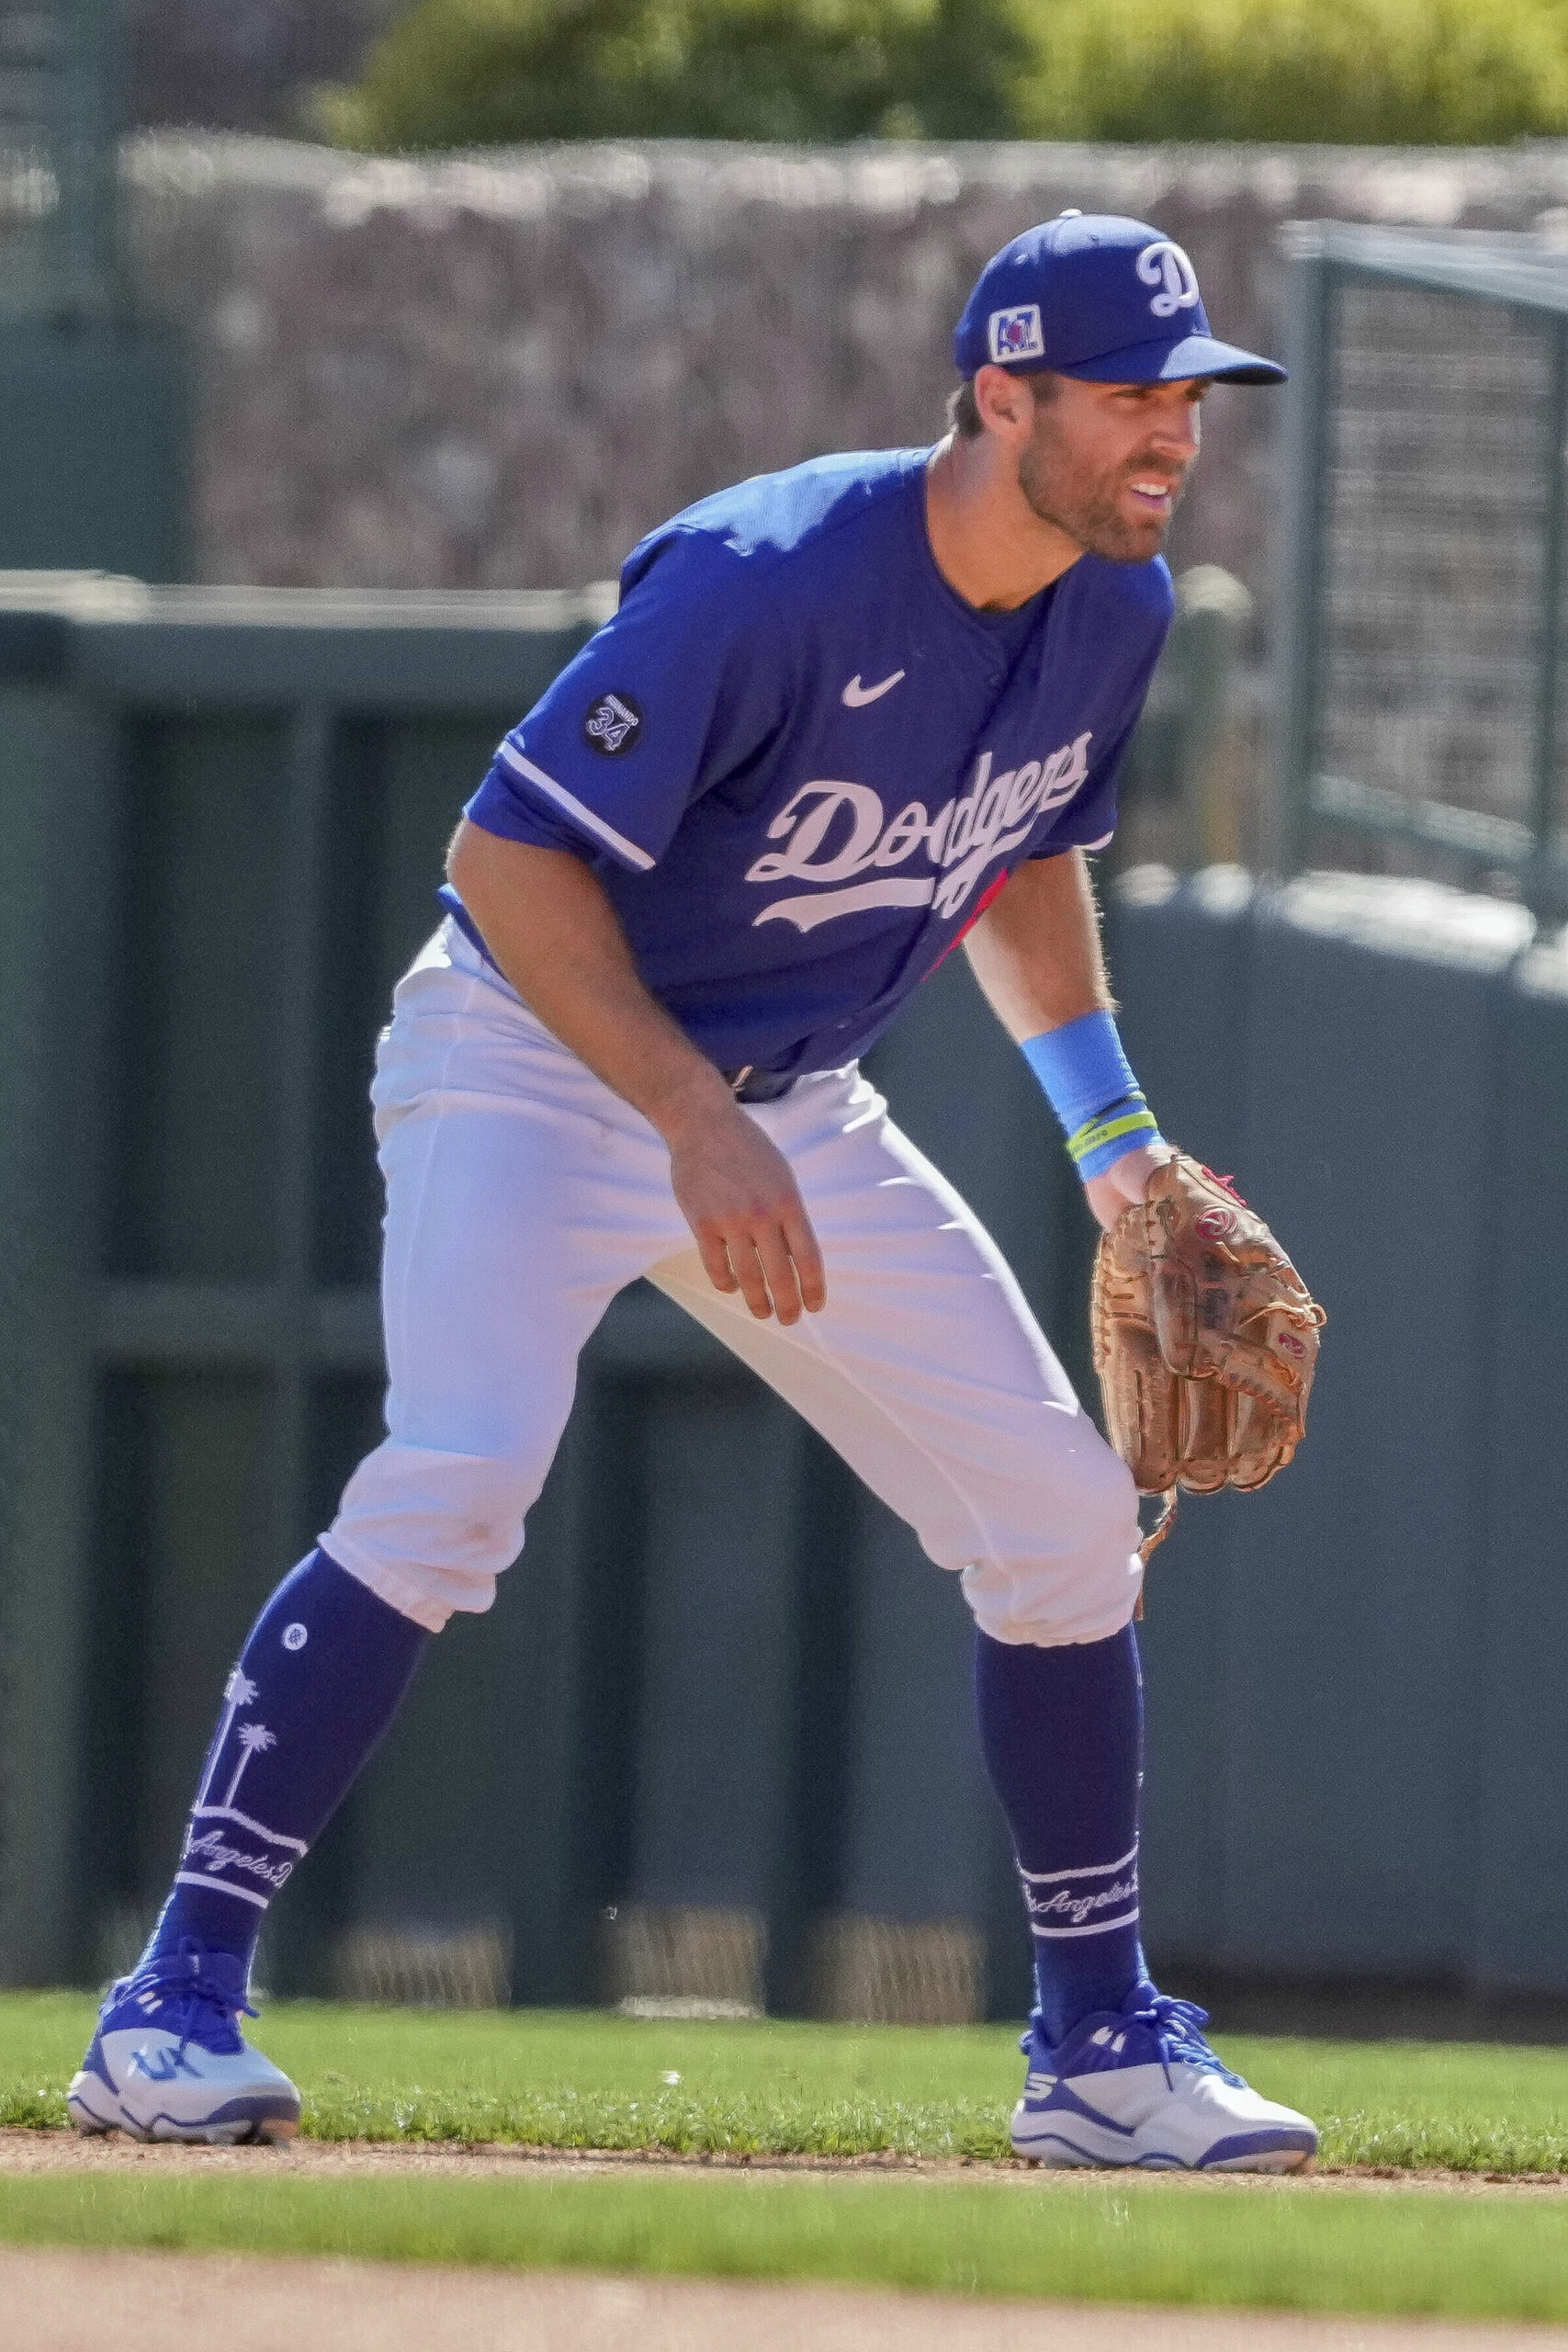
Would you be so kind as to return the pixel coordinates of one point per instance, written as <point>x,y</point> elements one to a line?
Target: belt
<point>749,1084</point>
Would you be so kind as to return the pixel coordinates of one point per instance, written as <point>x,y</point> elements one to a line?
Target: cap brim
<point>1168,363</point>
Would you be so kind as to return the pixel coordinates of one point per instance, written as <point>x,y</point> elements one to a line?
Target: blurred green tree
<point>481,73</point>
<point>477,72</point>
<point>1375,73</point>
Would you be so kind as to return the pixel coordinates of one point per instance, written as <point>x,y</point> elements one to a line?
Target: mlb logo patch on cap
<point>1017,333</point>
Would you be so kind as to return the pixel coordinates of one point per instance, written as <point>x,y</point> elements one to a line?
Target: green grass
<point>1491,2255</point>
<point>584,2080</point>
<point>577,2080</point>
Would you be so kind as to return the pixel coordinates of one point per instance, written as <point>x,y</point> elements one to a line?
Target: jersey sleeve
<point>682,687</point>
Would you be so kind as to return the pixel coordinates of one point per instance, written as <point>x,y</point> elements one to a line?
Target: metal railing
<point>218,805</point>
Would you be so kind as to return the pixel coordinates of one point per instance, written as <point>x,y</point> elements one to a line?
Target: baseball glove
<point>1205,1340</point>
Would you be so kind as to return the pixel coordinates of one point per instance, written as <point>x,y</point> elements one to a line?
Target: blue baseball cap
<point>1096,295</point>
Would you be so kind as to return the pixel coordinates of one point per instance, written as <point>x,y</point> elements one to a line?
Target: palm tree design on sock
<point>255,1740</point>
<point>238,1691</point>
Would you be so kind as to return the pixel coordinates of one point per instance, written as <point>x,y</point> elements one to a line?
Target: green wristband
<point>1131,1116</point>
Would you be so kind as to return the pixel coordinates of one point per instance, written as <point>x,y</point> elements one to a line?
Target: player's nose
<point>1171,454</point>
<point>1180,431</point>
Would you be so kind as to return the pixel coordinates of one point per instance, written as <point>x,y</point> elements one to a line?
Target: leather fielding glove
<point>1205,1340</point>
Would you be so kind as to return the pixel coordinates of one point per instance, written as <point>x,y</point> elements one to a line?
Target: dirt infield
<point>60,2302</point>
<point>45,2151</point>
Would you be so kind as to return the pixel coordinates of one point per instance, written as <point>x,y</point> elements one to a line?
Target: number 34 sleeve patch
<point>677,689</point>
<point>612,724</point>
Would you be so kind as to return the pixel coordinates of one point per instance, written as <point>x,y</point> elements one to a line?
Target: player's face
<point>1106,463</point>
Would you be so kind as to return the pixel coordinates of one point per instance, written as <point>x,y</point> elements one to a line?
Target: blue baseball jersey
<point>800,765</point>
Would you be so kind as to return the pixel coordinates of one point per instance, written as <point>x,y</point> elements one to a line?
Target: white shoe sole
<point>88,2097</point>
<point>1085,2150</point>
<point>1276,2160</point>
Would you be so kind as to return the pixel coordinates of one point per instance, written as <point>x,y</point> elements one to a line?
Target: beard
<point>1086,506</point>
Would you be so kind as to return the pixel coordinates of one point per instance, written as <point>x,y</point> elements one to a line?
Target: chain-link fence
<point>1420,728</point>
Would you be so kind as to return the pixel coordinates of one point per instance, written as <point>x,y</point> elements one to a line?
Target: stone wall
<point>499,370</point>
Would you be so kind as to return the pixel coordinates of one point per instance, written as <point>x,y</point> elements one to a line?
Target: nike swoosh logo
<point>856,697</point>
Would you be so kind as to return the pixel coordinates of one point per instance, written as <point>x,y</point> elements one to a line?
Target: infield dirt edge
<point>32,2150</point>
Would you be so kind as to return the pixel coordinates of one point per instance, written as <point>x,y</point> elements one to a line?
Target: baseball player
<point>846,717</point>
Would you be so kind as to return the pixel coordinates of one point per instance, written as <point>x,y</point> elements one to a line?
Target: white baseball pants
<point>522,1193</point>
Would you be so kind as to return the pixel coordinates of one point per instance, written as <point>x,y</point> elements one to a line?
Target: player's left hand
<point>1124,1181</point>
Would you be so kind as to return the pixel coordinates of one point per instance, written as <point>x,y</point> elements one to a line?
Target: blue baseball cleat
<point>168,2060</point>
<point>1140,2085</point>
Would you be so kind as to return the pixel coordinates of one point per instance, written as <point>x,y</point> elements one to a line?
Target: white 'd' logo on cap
<point>1017,333</point>
<point>1166,266</point>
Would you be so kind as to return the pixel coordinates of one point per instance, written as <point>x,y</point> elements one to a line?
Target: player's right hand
<point>737,1192</point>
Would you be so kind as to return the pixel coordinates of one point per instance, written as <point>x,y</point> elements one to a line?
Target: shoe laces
<point>206,2008</point>
<point>1176,2029</point>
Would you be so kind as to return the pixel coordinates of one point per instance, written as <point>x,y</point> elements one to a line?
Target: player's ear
<point>1005,401</point>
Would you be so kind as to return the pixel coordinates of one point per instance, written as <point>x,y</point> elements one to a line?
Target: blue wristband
<point>1090,1084</point>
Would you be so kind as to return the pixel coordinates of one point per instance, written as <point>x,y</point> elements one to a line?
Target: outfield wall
<point>714,1742</point>
<point>1358,1759</point>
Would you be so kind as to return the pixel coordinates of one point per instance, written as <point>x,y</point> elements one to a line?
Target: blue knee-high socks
<point>326,1666</point>
<point>318,1682</point>
<point>1061,1731</point>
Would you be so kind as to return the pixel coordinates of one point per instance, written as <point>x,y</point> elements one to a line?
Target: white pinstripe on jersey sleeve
<point>581,814</point>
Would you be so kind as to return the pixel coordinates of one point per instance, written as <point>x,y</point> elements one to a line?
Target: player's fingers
<point>779,1267</point>
<point>749,1269</point>
<point>806,1251</point>
<point>715,1258</point>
